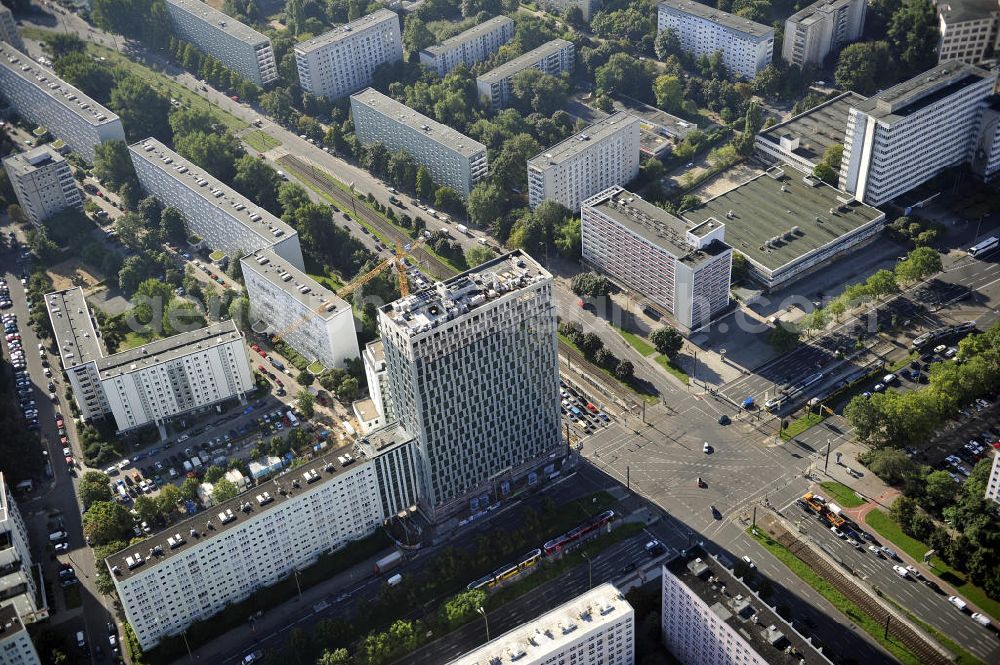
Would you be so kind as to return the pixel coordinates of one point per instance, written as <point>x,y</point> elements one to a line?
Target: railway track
<point>899,631</point>
<point>320,180</point>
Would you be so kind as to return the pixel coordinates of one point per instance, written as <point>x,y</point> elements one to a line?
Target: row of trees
<point>189,57</point>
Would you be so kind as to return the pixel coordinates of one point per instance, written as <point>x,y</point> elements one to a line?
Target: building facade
<point>467,48</point>
<point>378,380</point>
<point>473,371</point>
<point>970,30</point>
<point>42,98</point>
<point>225,219</point>
<point>196,568</point>
<point>8,29</point>
<point>309,317</point>
<point>452,158</point>
<point>709,617</point>
<point>148,384</point>
<point>702,30</point>
<point>18,589</point>
<point>342,61</point>
<point>682,269</point>
<point>604,155</point>
<point>16,647</point>
<point>43,183</point>
<point>236,45</point>
<point>823,27</point>
<point>986,155</point>
<point>993,484</point>
<point>904,136</point>
<point>595,628</point>
<point>554,57</point>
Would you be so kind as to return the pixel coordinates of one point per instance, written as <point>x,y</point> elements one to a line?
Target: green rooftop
<point>780,216</point>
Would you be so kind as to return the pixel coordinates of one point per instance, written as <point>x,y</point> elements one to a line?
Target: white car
<point>957,602</point>
<point>913,571</point>
<point>706,448</point>
<point>837,532</point>
<point>981,619</point>
<point>902,572</point>
<point>748,561</point>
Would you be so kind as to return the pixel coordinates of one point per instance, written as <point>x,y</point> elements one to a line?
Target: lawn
<point>886,527</point>
<point>666,364</point>
<point>842,494</point>
<point>260,141</point>
<point>638,343</point>
<point>134,339</point>
<point>800,425</point>
<point>844,604</point>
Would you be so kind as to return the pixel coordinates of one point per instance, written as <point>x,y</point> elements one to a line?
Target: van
<point>394,580</point>
<point>81,641</point>
<point>182,438</point>
<point>462,228</point>
<point>58,536</point>
<point>187,466</point>
<point>957,602</point>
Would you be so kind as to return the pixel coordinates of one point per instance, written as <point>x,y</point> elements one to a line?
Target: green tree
<point>461,608</point>
<point>823,171</point>
<point>624,74</point>
<point>216,153</point>
<point>509,167</point>
<point>783,338</point>
<point>669,92</point>
<point>94,78</point>
<point>64,43</point>
<point>304,402</point>
<point>424,182</point>
<point>335,657</point>
<point>106,521</point>
<point>590,284</point>
<point>171,495</point>
<point>624,370</point>
<point>486,204</point>
<point>882,283</point>
<point>172,225</point>
<point>538,92</point>
<point>189,489</point>
<point>416,34</point>
<point>863,66</point>
<point>569,239</point>
<point>667,43</point>
<point>143,111</point>
<point>939,491</point>
<point>213,473</point>
<point>921,263</point>
<point>112,164</point>
<point>402,170</point>
<point>914,34</point>
<point>891,465</point>
<point>625,25</point>
<point>447,199</point>
<point>277,104</point>
<point>147,509</point>
<point>94,487</point>
<point>257,181</point>
<point>478,254</point>
<point>223,490</point>
<point>667,341</point>
<point>190,120</point>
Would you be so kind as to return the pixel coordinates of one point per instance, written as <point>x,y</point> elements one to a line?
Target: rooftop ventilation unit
<point>175,541</point>
<point>264,498</point>
<point>227,516</point>
<point>310,476</point>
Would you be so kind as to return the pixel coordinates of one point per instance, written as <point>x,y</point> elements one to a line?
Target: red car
<point>59,423</point>
<point>235,98</point>
<point>255,347</point>
<point>261,353</point>
<point>64,441</point>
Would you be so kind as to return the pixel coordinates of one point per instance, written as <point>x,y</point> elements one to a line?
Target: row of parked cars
<point>577,407</point>
<point>22,379</point>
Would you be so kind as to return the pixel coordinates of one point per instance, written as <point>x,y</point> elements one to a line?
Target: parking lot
<point>580,414</point>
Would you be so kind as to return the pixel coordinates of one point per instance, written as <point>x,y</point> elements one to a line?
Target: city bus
<point>984,246</point>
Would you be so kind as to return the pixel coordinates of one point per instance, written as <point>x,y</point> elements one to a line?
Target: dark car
<point>933,586</point>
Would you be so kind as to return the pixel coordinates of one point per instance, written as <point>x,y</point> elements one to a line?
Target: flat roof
<point>473,32</point>
<point>776,205</point>
<point>347,30</point>
<point>59,91</point>
<point>957,11</point>
<point>818,128</point>
<point>805,14</point>
<point>420,123</point>
<point>524,61</point>
<point>730,21</point>
<point>312,295</point>
<point>10,622</point>
<point>268,495</point>
<point>654,224</point>
<point>213,190</point>
<point>777,642</point>
<point>579,142</point>
<point>365,408</point>
<point>550,633</point>
<point>23,163</point>
<point>168,348</point>
<point>377,350</point>
<point>73,328</point>
<point>460,295</point>
<point>923,90</point>
<point>221,21</point>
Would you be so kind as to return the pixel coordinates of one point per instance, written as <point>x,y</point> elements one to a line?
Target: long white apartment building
<point>812,33</point>
<point>746,46</point>
<point>993,484</point>
<point>453,159</point>
<point>587,7</point>
<point>236,45</point>
<point>603,155</point>
<point>8,29</point>
<point>909,133</point>
<point>595,628</point>
<point>342,61</point>
<point>200,566</point>
<point>225,219</point>
<point>378,380</point>
<point>473,372</point>
<point>43,183</point>
<point>16,647</point>
<point>986,154</point>
<point>683,269</point>
<point>467,48</point>
<point>553,57</point>
<point>42,98</point>
<point>970,30</point>
<point>709,617</point>
<point>152,383</point>
<point>285,301</point>
<point>18,588</point>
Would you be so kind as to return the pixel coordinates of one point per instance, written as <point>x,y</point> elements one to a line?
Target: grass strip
<point>260,141</point>
<point>800,425</point>
<point>638,343</point>
<point>885,526</point>
<point>843,604</point>
<point>842,494</point>
<point>670,366</point>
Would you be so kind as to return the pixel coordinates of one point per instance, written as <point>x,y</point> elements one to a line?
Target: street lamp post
<point>483,613</point>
